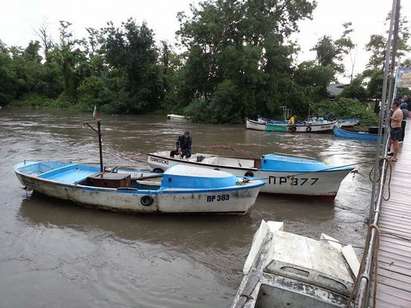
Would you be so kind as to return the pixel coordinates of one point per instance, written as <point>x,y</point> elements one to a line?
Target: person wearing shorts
<point>396,132</point>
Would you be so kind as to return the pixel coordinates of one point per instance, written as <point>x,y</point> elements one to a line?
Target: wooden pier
<point>394,253</point>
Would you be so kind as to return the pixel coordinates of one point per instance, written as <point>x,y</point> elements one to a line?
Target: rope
<point>124,157</point>
<point>389,167</point>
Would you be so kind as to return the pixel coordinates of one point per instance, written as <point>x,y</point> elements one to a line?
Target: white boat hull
<point>177,117</point>
<point>287,270</point>
<point>235,201</point>
<point>299,128</point>
<point>322,183</point>
<point>315,128</point>
<point>255,125</point>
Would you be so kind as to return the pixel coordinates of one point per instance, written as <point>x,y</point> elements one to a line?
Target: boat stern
<point>192,189</point>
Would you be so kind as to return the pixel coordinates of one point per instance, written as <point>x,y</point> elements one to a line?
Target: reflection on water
<point>55,253</point>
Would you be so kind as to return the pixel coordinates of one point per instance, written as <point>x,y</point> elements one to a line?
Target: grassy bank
<point>339,108</point>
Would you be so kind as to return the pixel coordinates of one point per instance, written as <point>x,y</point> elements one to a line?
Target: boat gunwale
<point>136,191</point>
<point>330,169</point>
<point>354,135</point>
<point>299,124</point>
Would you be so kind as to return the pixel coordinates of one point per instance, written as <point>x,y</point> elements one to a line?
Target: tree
<point>131,50</point>
<point>314,79</point>
<point>8,78</point>
<point>45,39</point>
<point>356,90</point>
<point>239,52</point>
<point>331,52</point>
<point>376,47</point>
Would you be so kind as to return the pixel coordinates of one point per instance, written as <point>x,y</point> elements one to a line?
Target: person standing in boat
<point>395,133</point>
<point>291,123</point>
<point>183,145</point>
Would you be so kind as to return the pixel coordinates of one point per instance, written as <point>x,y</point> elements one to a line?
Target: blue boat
<point>182,189</point>
<point>283,174</point>
<point>363,136</point>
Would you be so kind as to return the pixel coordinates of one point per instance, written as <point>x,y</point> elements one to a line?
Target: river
<point>57,254</point>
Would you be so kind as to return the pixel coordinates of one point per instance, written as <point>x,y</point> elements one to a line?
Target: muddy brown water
<point>57,254</point>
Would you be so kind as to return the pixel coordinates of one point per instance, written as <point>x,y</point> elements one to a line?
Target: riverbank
<point>339,108</point>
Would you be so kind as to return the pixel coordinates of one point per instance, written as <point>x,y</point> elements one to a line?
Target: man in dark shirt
<point>183,145</point>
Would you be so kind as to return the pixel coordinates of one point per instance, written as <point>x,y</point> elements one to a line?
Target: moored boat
<point>363,136</point>
<point>316,125</point>
<point>255,125</point>
<point>309,126</point>
<point>183,189</point>
<point>348,122</point>
<point>283,270</point>
<point>177,117</point>
<point>283,174</point>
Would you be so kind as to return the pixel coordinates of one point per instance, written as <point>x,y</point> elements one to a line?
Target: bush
<point>198,111</point>
<point>345,107</point>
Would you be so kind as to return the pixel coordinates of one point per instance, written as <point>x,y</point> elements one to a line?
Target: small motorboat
<point>283,174</point>
<point>256,125</point>
<point>348,122</point>
<point>312,125</point>
<point>182,189</point>
<point>362,136</point>
<point>177,117</point>
<point>288,270</point>
<point>315,125</point>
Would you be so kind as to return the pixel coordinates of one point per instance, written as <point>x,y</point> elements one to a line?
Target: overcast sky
<point>20,18</point>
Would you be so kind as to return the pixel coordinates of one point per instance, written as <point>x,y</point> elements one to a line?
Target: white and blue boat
<point>182,189</point>
<point>283,174</point>
<point>312,125</point>
<point>286,270</point>
<point>362,136</point>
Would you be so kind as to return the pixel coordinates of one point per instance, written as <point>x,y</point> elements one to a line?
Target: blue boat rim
<point>136,191</point>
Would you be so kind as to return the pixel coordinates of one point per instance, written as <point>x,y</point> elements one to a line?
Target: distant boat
<point>183,189</point>
<point>363,136</point>
<point>283,174</point>
<point>309,126</point>
<point>348,122</point>
<point>256,125</point>
<point>284,269</point>
<point>177,117</point>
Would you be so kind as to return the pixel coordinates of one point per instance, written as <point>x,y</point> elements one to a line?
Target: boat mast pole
<point>100,146</point>
<point>100,143</point>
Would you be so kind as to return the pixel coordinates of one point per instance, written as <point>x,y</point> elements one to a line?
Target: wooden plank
<point>388,290</point>
<point>391,239</point>
<point>389,273</point>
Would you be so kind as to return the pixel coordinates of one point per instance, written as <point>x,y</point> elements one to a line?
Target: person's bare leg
<point>396,148</point>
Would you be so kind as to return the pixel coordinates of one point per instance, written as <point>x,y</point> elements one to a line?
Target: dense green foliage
<point>237,60</point>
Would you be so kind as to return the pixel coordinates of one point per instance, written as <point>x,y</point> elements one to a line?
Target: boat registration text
<point>280,180</point>
<point>224,197</point>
